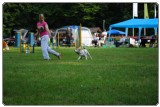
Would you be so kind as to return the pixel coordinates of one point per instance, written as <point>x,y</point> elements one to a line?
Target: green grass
<point>115,76</point>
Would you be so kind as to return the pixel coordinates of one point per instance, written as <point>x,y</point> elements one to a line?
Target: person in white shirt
<point>121,41</point>
<point>95,39</point>
<point>104,35</point>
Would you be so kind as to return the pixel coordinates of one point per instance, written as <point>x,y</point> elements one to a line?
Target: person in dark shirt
<point>68,36</point>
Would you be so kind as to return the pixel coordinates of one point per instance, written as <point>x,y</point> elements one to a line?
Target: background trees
<point>25,15</point>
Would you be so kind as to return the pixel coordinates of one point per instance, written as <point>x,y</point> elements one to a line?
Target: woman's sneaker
<point>59,57</point>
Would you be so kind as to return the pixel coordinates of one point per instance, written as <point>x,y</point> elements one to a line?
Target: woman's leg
<point>44,46</point>
<point>51,51</point>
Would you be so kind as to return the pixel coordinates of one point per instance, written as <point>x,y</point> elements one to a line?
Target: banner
<point>146,16</point>
<point>135,10</point>
<point>155,13</point>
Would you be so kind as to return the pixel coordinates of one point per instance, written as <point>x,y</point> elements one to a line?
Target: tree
<point>25,15</point>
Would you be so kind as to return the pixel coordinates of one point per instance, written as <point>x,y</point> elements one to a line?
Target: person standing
<point>104,35</point>
<point>45,34</point>
<point>68,36</point>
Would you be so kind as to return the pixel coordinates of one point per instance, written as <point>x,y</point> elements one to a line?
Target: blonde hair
<point>41,15</point>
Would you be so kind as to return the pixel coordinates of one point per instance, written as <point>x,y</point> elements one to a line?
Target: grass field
<point>115,76</point>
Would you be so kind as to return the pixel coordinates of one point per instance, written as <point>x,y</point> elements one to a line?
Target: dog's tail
<point>84,46</point>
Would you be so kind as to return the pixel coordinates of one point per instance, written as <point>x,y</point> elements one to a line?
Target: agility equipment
<point>25,45</point>
<point>79,37</point>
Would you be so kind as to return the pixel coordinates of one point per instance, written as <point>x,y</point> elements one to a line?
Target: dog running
<point>82,53</point>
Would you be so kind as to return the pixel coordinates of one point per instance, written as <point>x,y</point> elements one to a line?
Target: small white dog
<point>82,53</point>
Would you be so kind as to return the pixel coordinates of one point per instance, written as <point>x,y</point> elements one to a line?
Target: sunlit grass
<point>115,76</point>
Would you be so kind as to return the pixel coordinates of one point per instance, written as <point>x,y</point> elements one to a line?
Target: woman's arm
<point>36,34</point>
<point>47,28</point>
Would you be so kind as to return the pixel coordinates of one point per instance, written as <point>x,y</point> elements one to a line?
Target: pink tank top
<point>42,24</point>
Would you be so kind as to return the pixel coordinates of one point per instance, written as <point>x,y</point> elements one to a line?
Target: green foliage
<point>25,15</point>
<point>115,76</point>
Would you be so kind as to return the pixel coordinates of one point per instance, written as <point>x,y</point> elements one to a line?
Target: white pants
<point>46,49</point>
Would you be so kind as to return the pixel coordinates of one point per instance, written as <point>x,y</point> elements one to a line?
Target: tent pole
<point>139,34</point>
<point>155,31</point>
<point>133,32</point>
<point>144,31</point>
<point>133,28</point>
<point>109,33</point>
<point>126,30</point>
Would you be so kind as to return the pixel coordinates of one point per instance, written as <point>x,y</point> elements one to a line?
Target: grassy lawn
<point>115,76</point>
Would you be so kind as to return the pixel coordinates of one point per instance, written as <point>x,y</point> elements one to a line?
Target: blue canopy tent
<point>115,32</point>
<point>136,23</point>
